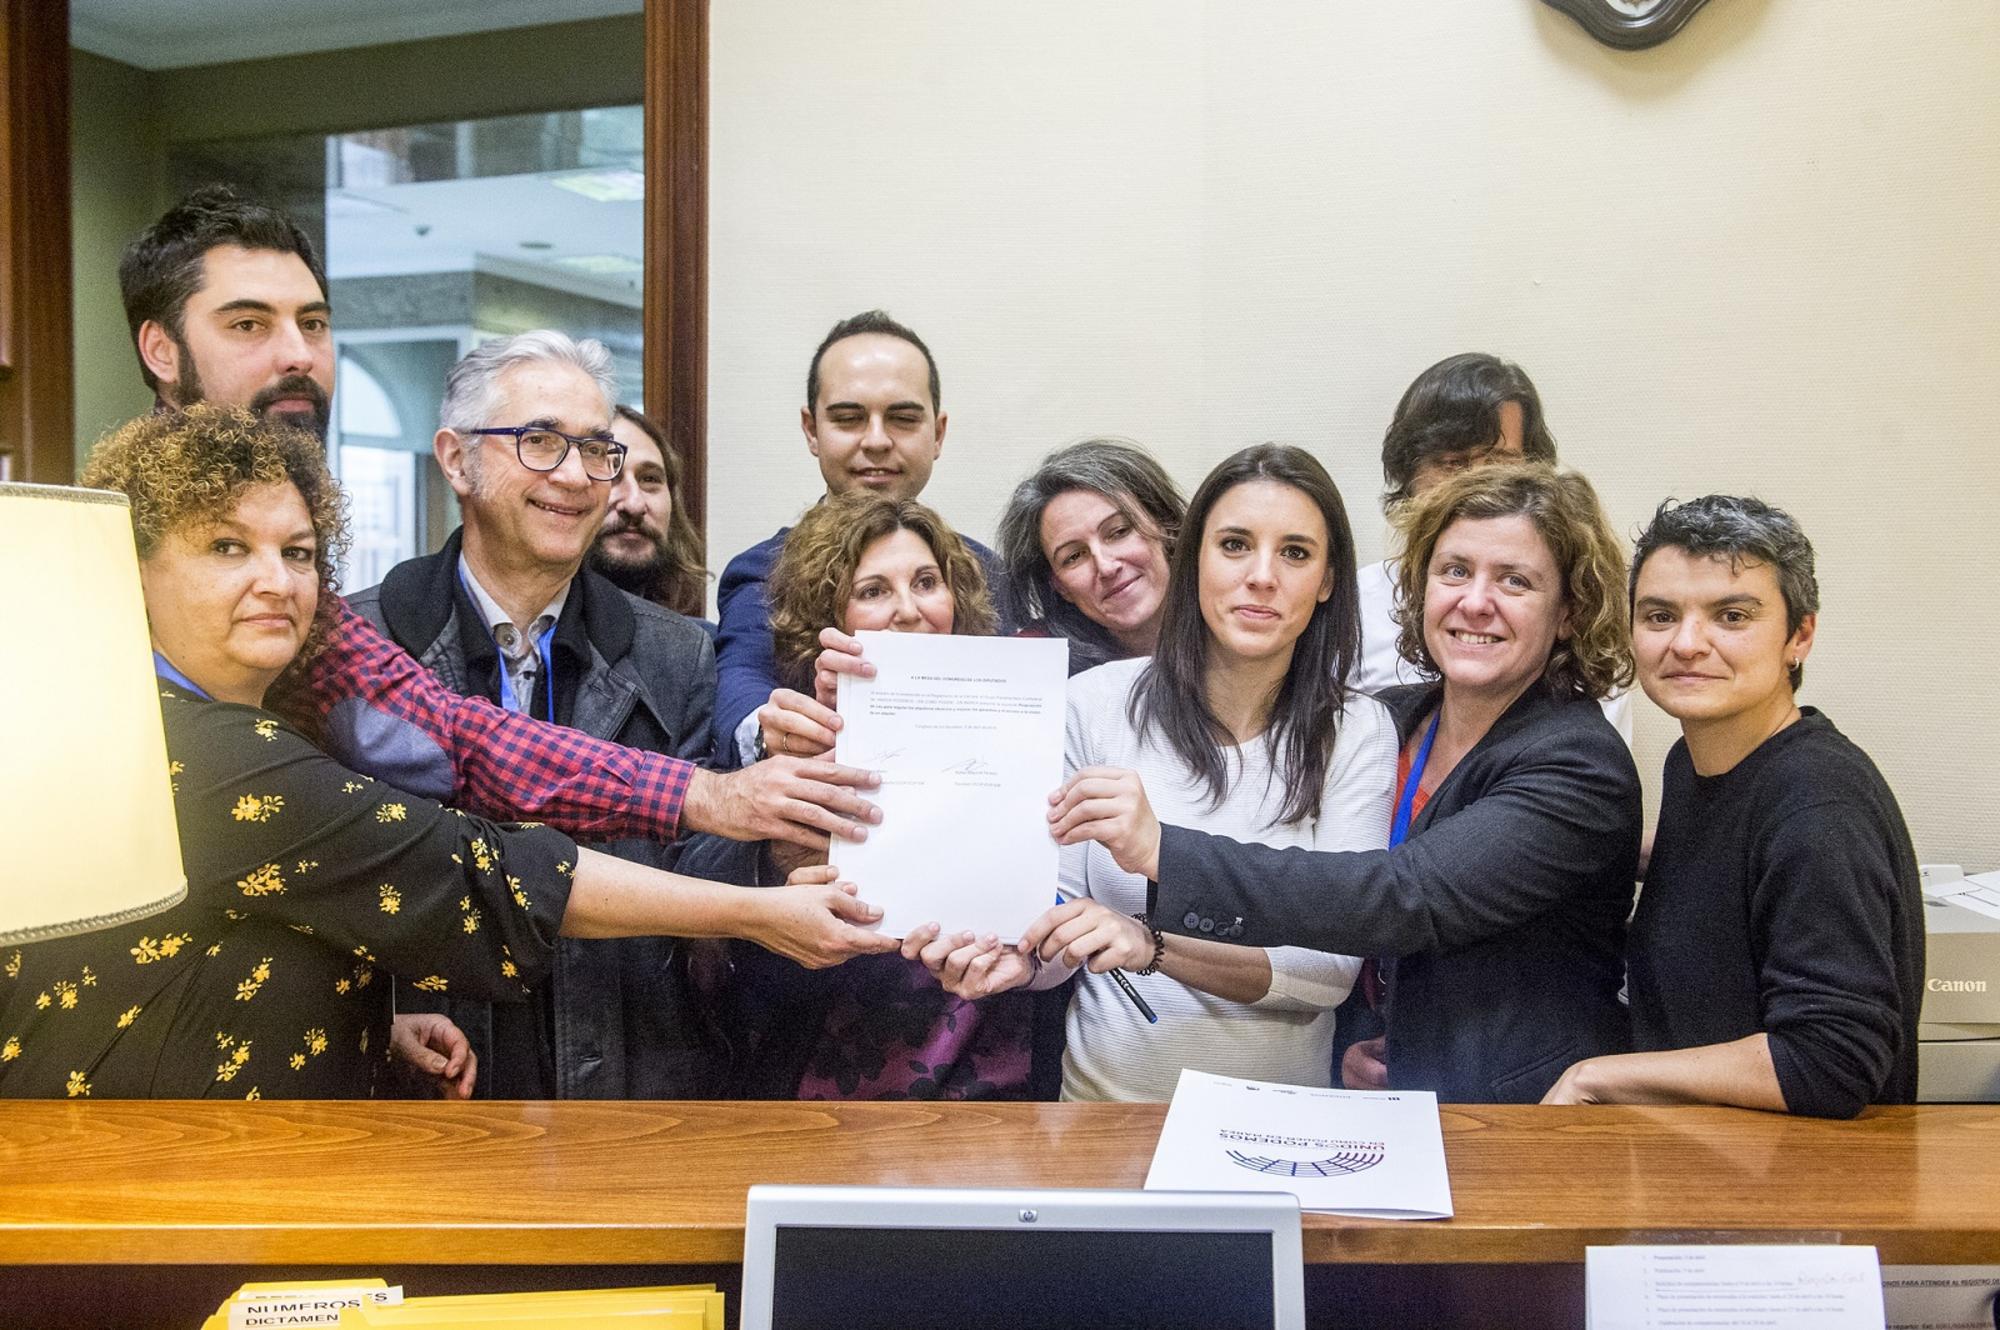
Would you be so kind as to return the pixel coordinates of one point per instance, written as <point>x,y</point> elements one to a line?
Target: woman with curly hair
<point>1503,895</point>
<point>880,1027</point>
<point>309,884</point>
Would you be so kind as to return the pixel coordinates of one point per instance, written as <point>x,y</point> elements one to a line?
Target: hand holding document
<point>966,733</point>
<point>1782,1288</point>
<point>1377,1155</point>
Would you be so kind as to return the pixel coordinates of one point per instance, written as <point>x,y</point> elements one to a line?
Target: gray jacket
<point>624,1020</point>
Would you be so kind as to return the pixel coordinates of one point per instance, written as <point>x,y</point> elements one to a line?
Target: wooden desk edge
<point>1326,1241</point>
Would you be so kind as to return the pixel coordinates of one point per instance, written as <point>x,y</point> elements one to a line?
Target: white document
<point>1940,1297</point>
<point>1773,1288</point>
<point>1979,892</point>
<point>967,733</point>
<point>1375,1154</point>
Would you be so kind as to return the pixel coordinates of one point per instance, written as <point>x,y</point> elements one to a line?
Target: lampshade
<point>87,836</point>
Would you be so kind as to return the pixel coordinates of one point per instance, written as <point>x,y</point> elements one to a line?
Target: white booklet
<point>1774,1287</point>
<point>967,733</point>
<point>1374,1154</point>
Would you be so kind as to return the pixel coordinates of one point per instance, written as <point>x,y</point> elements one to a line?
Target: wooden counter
<point>267,1184</point>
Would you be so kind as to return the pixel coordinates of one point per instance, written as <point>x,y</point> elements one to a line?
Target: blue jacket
<point>746,666</point>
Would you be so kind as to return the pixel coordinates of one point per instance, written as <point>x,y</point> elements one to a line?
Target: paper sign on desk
<point>1941,1297</point>
<point>1373,1154</point>
<point>1774,1288</point>
<point>967,734</point>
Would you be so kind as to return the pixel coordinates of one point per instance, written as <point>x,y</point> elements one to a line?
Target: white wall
<point>1759,258</point>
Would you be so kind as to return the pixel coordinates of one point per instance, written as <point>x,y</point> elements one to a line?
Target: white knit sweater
<point>1287,1035</point>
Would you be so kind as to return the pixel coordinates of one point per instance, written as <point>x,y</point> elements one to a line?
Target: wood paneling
<point>552,1183</point>
<point>676,309</point>
<point>36,406</point>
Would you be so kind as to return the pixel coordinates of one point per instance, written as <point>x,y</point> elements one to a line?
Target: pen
<point>1120,978</point>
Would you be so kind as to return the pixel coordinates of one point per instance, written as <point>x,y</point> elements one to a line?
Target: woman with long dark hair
<point>1502,899</point>
<point>1240,722</point>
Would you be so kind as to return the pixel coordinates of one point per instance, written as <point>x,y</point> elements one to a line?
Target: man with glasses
<point>373,706</point>
<point>506,612</point>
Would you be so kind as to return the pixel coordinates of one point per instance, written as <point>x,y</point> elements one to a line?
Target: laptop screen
<point>869,1258</point>
<point>892,1279</point>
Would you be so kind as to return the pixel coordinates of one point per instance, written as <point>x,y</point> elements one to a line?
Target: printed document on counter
<point>967,734</point>
<point>1376,1154</point>
<point>1692,1288</point>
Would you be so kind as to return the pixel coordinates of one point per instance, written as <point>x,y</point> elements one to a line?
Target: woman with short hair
<point>1777,955</point>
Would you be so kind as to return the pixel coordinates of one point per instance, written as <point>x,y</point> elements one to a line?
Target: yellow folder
<point>660,1308</point>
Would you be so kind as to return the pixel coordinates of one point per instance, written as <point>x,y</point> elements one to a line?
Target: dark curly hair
<point>178,468</point>
<point>815,573</point>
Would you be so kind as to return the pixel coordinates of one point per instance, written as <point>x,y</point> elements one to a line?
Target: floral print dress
<point>308,885</point>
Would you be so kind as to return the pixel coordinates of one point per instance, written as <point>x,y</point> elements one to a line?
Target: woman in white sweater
<point>1240,724</point>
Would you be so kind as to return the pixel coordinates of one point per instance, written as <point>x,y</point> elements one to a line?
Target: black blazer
<point>1506,906</point>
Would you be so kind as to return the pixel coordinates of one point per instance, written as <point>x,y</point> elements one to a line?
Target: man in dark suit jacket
<point>505,612</point>
<point>873,420</point>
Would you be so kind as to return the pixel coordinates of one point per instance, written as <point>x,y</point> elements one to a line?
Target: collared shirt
<point>518,653</point>
<point>501,764</point>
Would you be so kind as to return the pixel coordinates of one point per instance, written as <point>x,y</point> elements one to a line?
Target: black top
<point>307,886</point>
<point>1783,896</point>
<point>1506,905</point>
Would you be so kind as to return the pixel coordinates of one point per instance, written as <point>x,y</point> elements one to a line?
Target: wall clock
<point>1630,25</point>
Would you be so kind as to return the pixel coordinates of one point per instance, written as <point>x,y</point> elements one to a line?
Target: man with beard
<point>647,544</point>
<point>227,302</point>
<point>215,255</point>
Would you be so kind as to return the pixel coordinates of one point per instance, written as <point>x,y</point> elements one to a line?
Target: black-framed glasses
<point>543,449</point>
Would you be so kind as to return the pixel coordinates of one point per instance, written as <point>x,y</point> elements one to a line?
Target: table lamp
<point>86,800</point>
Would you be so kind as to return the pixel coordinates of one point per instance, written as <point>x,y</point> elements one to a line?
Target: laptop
<point>885,1258</point>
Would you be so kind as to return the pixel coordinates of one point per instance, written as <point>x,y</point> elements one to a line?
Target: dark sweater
<point>1782,896</point>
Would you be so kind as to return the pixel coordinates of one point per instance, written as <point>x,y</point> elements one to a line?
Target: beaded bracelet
<point>1159,946</point>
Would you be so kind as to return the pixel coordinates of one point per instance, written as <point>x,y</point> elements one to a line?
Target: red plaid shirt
<point>503,765</point>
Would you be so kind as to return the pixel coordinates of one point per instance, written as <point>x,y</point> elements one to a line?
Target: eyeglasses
<point>543,449</point>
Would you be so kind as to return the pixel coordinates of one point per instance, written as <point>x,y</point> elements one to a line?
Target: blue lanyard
<point>1399,829</point>
<point>166,670</point>
<point>508,701</point>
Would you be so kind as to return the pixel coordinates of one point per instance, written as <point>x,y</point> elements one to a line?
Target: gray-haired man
<point>506,612</point>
